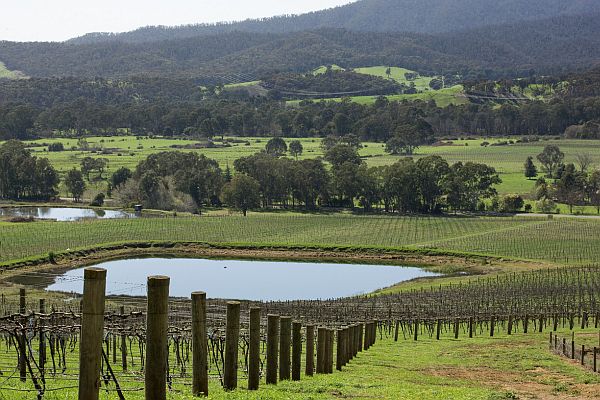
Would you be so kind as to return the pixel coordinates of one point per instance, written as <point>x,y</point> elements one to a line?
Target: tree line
<point>236,113</point>
<point>568,183</point>
<point>190,182</point>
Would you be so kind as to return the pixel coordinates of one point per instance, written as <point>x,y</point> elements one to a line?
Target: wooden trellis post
<point>232,338</point>
<point>156,338</point>
<point>199,345</point>
<point>92,332</point>
<point>254,350</point>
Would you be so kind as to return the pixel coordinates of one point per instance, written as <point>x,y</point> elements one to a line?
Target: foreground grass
<point>503,367</point>
<point>562,240</point>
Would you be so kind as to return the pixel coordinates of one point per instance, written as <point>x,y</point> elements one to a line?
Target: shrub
<point>98,200</point>
<point>56,147</point>
<point>512,203</point>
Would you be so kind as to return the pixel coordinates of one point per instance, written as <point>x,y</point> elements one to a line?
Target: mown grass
<point>502,367</point>
<point>562,240</point>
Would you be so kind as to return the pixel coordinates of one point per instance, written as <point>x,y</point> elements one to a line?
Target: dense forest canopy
<point>423,16</point>
<point>546,46</point>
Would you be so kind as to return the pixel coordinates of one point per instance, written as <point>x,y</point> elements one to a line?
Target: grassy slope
<point>6,73</point>
<point>562,240</point>
<point>508,160</point>
<point>443,97</point>
<point>397,74</point>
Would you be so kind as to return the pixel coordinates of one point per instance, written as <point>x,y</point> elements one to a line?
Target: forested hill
<point>547,46</point>
<point>420,16</point>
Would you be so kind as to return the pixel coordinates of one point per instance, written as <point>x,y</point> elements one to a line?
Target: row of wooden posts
<point>570,350</point>
<point>493,322</point>
<point>283,348</point>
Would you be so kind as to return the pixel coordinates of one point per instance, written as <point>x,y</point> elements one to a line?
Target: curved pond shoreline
<point>255,280</point>
<point>452,266</point>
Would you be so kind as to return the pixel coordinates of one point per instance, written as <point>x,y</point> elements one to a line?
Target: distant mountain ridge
<point>554,45</point>
<point>417,16</point>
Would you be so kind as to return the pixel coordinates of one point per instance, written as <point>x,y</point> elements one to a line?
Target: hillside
<point>548,46</point>
<point>424,16</point>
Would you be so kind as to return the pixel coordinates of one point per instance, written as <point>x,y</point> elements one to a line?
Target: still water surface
<point>247,280</point>
<point>63,213</point>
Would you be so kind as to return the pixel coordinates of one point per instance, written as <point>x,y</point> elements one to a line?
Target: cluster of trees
<point>24,176</point>
<point>331,83</point>
<point>566,183</point>
<point>170,181</point>
<point>234,113</point>
<point>185,181</point>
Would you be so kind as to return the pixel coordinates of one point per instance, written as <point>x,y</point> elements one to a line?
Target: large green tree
<point>242,193</point>
<point>75,184</point>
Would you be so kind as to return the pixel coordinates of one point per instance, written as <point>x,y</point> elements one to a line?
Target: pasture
<point>127,151</point>
<point>443,97</point>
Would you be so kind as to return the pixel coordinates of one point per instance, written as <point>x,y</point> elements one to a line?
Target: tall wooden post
<point>21,340</point>
<point>272,348</point>
<point>22,301</point>
<point>157,320</point>
<point>329,350</point>
<point>123,346</point>
<point>285,336</point>
<point>340,349</point>
<point>199,345</point>
<point>232,338</point>
<point>296,350</point>
<point>321,351</point>
<point>310,350</point>
<point>360,337</point>
<point>42,352</point>
<point>254,349</point>
<point>92,332</point>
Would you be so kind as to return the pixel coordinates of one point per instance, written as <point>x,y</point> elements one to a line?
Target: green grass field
<point>399,75</point>
<point>127,151</point>
<point>499,368</point>
<point>562,240</point>
<point>442,97</point>
<point>5,73</point>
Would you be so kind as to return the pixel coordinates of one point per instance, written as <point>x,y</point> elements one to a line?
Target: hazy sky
<point>56,20</point>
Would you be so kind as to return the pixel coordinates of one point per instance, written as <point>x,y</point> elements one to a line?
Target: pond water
<point>246,280</point>
<point>63,213</point>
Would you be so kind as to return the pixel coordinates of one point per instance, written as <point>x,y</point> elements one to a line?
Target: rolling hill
<point>549,46</point>
<point>420,16</point>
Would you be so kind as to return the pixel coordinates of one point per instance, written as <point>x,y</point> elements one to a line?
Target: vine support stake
<point>296,350</point>
<point>199,345</point>
<point>310,350</point>
<point>156,338</point>
<point>254,350</point>
<point>272,348</point>
<point>232,337</point>
<point>92,333</point>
